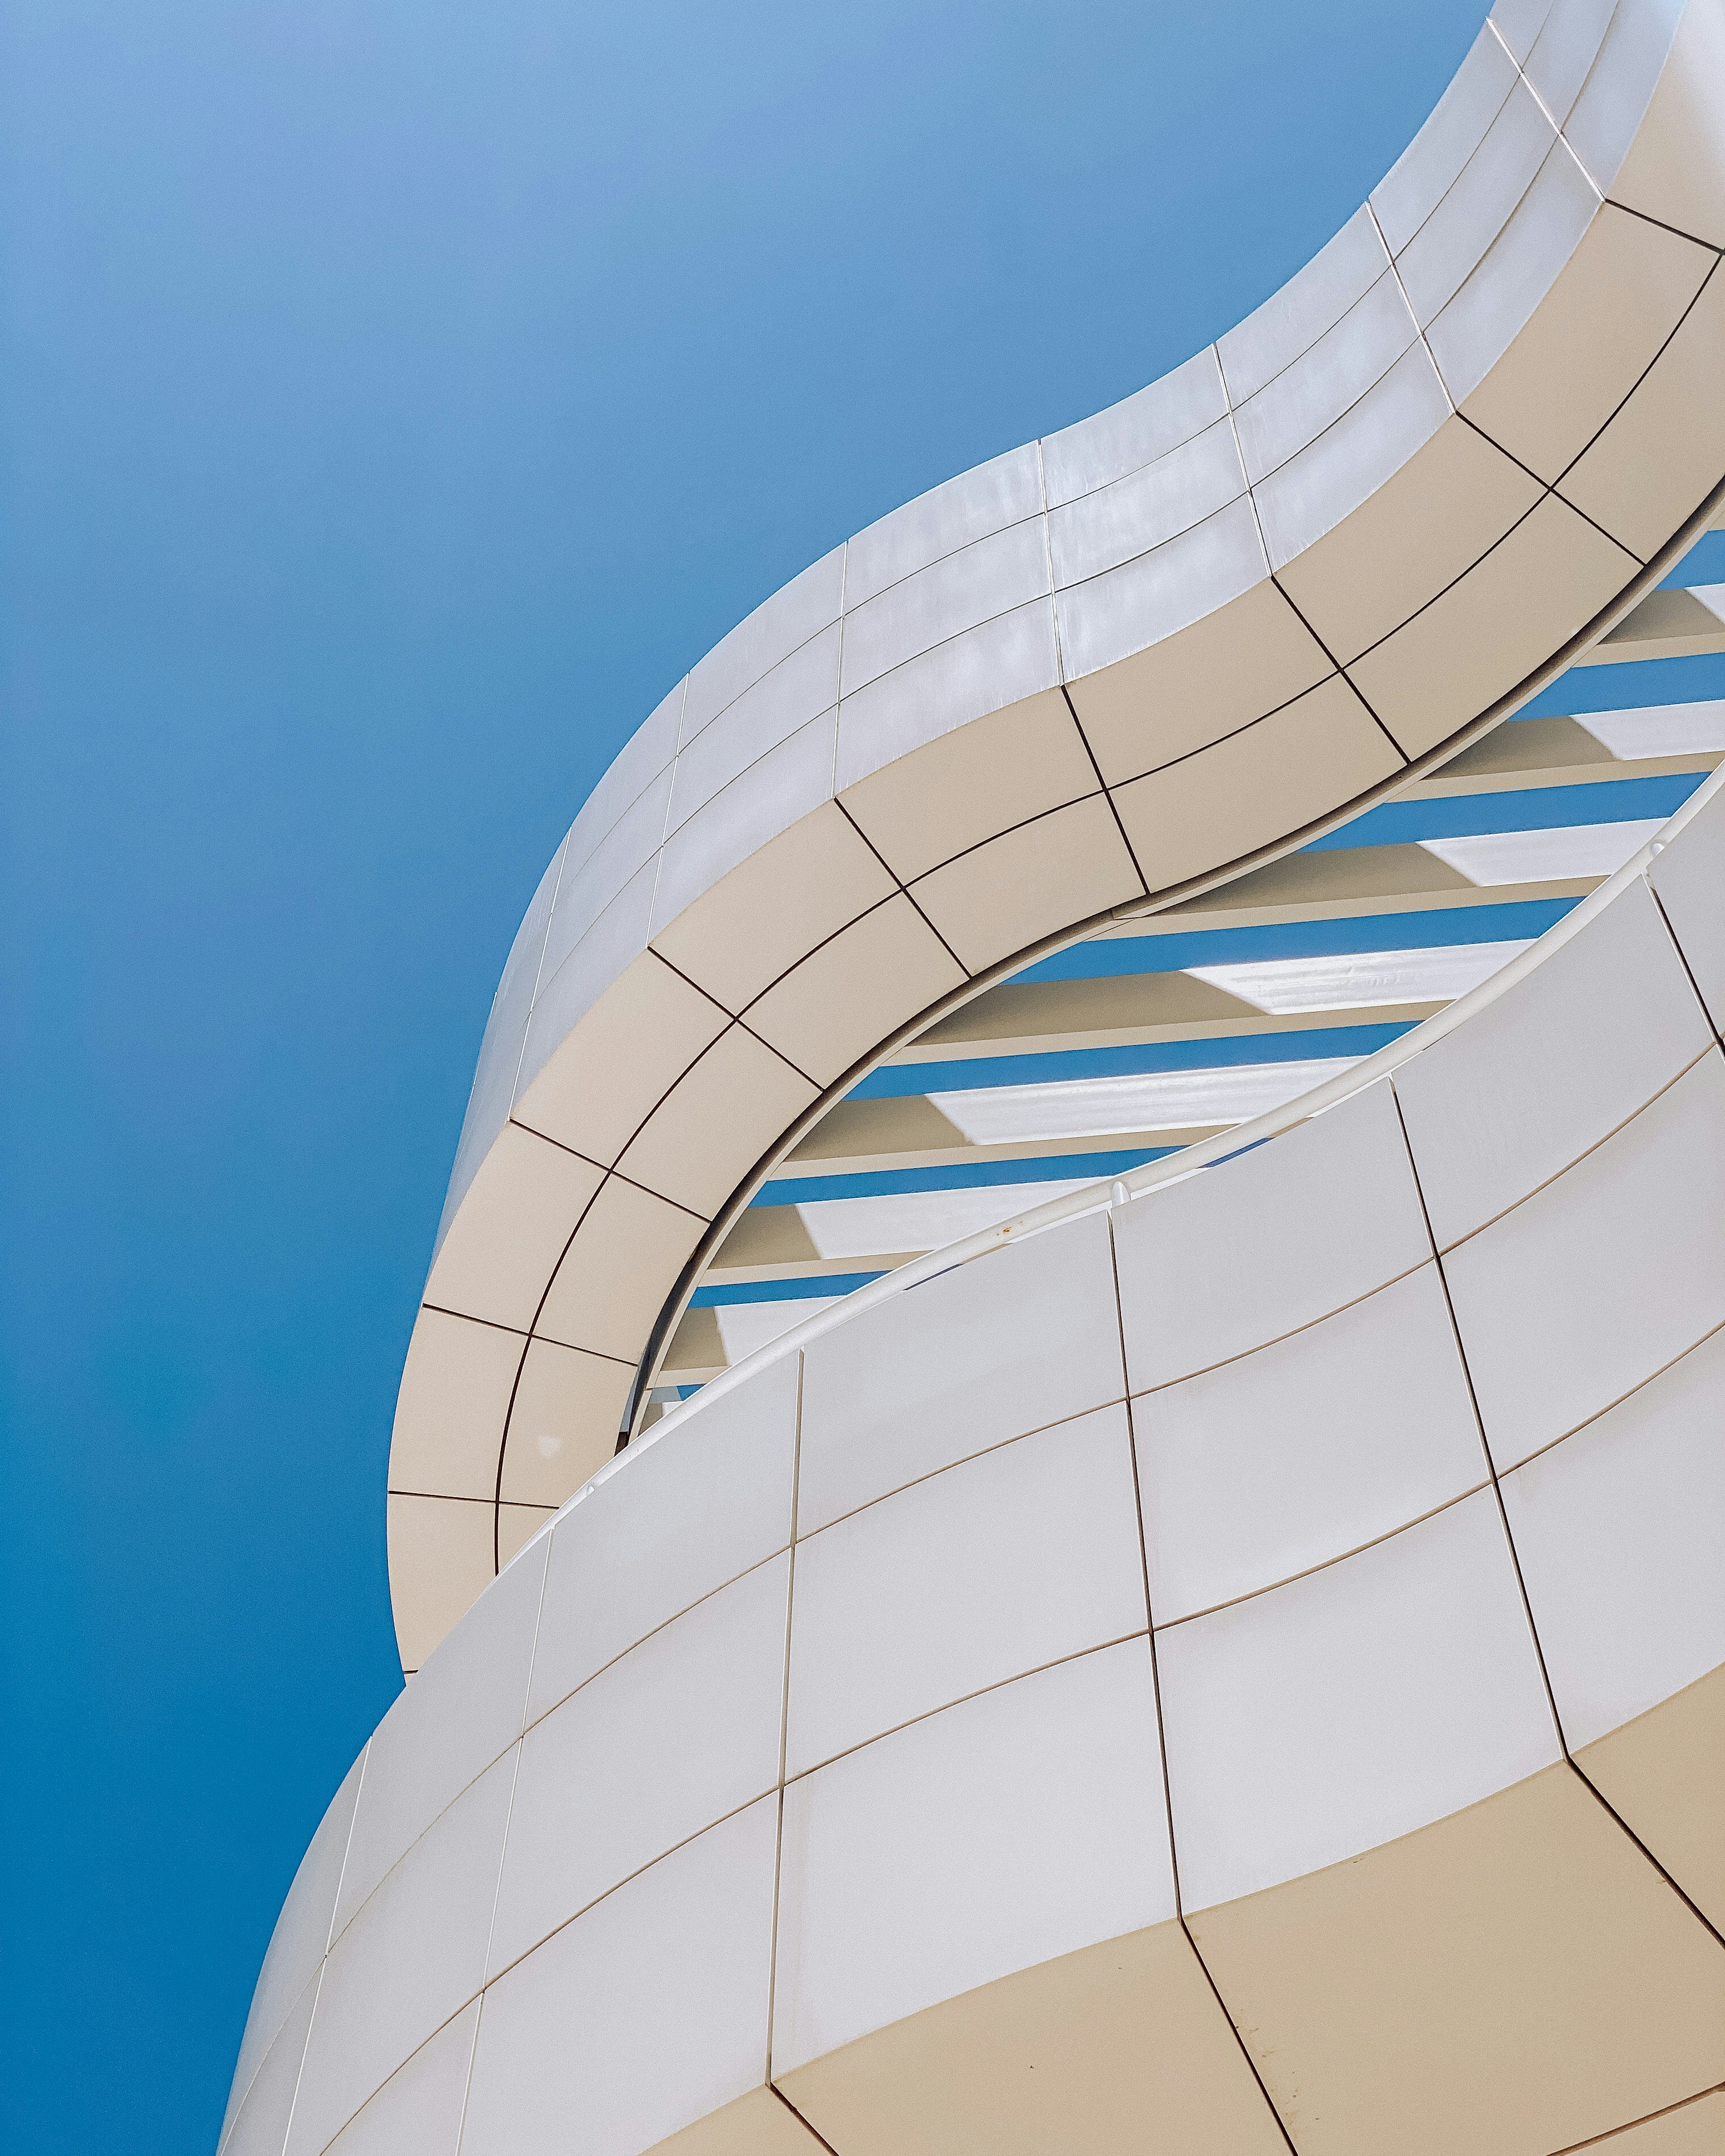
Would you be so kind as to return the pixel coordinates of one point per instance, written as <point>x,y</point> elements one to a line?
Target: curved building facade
<point>1233,1657</point>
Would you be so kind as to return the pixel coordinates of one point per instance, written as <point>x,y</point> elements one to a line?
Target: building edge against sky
<point>1232,1658</point>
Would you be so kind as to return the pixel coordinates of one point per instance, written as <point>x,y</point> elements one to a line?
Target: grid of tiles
<point>1054,1699</point>
<point>1105,669</point>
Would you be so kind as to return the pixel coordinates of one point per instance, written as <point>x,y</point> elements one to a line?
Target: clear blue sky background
<point>400,395</point>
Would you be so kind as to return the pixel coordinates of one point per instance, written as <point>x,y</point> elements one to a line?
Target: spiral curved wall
<point>1231,1660</point>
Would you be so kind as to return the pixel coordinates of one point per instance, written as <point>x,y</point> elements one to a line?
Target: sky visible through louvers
<point>399,398</point>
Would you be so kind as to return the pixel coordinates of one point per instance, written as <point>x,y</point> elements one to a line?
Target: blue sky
<point>400,398</point>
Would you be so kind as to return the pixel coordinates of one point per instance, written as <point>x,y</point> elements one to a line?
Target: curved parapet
<point>1233,1662</point>
<point>1092,676</point>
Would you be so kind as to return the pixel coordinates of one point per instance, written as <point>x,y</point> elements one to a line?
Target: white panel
<point>1151,505</point>
<point>1306,396</point>
<point>1352,979</point>
<point>564,997</point>
<point>1558,856</point>
<point>643,2015</point>
<point>1608,1274</point>
<point>1550,1067</point>
<point>1289,1458</point>
<point>998,1834</point>
<point>778,627</point>
<point>413,1957</point>
<point>1425,171</point>
<point>776,790</point>
<point>922,1219</point>
<point>745,1326</point>
<point>1313,301</point>
<point>1437,260</point>
<point>680,1731</point>
<point>1001,1565</point>
<point>646,752</point>
<point>1110,1107</point>
<point>1689,877</point>
<point>1004,1345</point>
<point>259,2128</point>
<point>1483,320</point>
<point>463,1710</point>
<point>417,2111</point>
<point>997,574</point>
<point>1658,729</point>
<point>1320,1720</point>
<point>1135,432</point>
<point>952,515</point>
<point>1609,111</point>
<point>590,885</point>
<point>1619,1534</point>
<point>1001,662</point>
<point>1242,1253</point>
<point>797,690</point>
<point>688,1511</point>
<point>1518,22</point>
<point>301,1933</point>
<point>1564,50</point>
<point>1350,460</point>
<point>1129,609</point>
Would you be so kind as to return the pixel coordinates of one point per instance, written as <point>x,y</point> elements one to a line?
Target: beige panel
<point>563,1424</point>
<point>855,990</point>
<point>1511,1980</point>
<point>768,913</point>
<point>503,1243</point>
<point>441,1558</point>
<point>1663,625</point>
<point>1676,168</point>
<point>979,779</point>
<point>1450,501</point>
<point>1116,2051</point>
<point>1115,1003</point>
<point>517,1526</point>
<point>1693,2129</point>
<point>696,1349</point>
<point>911,1125</point>
<point>1289,769</point>
<point>1493,627</point>
<point>1621,294</point>
<point>705,1136</point>
<point>618,1271</point>
<point>642,1034</point>
<point>1661,455</point>
<point>758,2124</point>
<point>453,1401</point>
<point>1029,883</point>
<point>767,1235</point>
<point>1239,663</point>
<point>1665,1773</point>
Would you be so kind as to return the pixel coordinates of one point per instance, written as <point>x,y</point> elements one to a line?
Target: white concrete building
<point>1229,1658</point>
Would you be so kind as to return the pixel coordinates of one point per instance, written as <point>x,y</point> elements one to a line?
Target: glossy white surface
<point>1256,1248</point>
<point>678,1731</point>
<point>1618,1532</point>
<point>1023,1557</point>
<point>578,2030</point>
<point>1292,1456</point>
<point>411,1958</point>
<point>464,1710</point>
<point>704,1503</point>
<point>1331,1715</point>
<point>1003,1831</point>
<point>950,1370</point>
<point>1500,1107</point>
<point>1582,1291</point>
